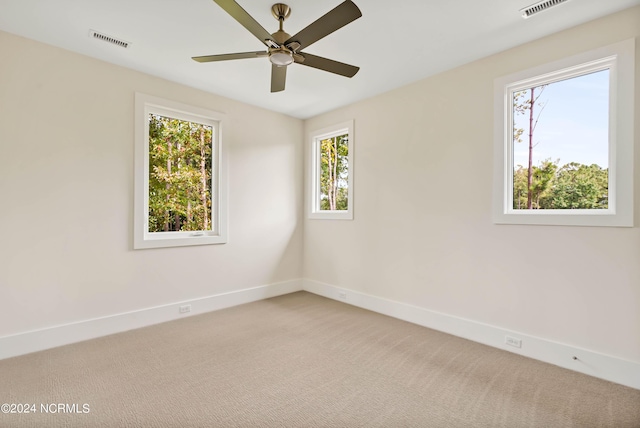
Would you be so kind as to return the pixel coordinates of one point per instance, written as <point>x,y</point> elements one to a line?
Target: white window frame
<point>145,105</point>
<point>316,137</point>
<point>619,60</point>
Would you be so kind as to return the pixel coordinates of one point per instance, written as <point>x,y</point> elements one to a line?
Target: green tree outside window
<point>180,172</point>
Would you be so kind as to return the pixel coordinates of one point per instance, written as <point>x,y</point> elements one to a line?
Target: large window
<point>564,141</point>
<point>179,181</point>
<point>331,181</point>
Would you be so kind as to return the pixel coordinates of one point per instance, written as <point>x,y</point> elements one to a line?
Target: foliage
<point>334,159</point>
<point>579,186</point>
<point>541,184</point>
<point>572,186</point>
<point>180,166</point>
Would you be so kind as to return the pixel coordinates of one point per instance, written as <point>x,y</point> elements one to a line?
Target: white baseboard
<point>588,362</point>
<point>51,337</point>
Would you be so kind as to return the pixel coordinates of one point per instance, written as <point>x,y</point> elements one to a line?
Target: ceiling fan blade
<point>327,64</point>
<point>246,20</point>
<point>226,57</point>
<point>278,78</point>
<point>343,14</point>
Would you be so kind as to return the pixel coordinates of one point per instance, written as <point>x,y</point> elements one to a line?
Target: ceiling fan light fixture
<point>281,57</point>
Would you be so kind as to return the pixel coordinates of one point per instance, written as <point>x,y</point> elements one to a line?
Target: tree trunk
<point>167,214</point>
<point>330,177</point>
<point>203,180</point>
<point>530,172</point>
<point>335,173</point>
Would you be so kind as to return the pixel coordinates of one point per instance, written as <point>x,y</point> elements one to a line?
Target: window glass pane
<point>180,173</point>
<point>334,173</point>
<point>561,144</point>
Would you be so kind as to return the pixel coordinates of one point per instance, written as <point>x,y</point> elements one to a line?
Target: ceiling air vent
<point>529,11</point>
<point>110,39</point>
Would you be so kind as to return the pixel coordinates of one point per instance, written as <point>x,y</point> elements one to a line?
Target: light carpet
<point>301,360</point>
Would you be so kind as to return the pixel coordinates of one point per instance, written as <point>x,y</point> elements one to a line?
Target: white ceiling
<point>393,43</point>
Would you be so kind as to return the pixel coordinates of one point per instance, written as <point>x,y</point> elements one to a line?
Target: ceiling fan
<point>284,49</point>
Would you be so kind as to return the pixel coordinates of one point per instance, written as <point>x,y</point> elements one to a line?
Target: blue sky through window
<point>573,126</point>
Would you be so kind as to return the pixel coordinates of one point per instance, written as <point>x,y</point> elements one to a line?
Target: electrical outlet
<point>512,341</point>
<point>342,294</point>
<point>184,309</point>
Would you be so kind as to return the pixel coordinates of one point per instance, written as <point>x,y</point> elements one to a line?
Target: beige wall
<point>66,194</point>
<point>423,232</point>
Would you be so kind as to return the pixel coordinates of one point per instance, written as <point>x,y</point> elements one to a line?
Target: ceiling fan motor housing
<point>281,36</point>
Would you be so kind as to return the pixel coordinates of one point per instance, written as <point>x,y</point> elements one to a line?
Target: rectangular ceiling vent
<point>109,39</point>
<point>529,11</point>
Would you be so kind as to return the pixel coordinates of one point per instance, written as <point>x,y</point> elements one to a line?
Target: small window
<point>332,172</point>
<point>564,142</point>
<point>179,186</point>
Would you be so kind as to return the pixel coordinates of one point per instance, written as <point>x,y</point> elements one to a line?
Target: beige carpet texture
<point>301,360</point>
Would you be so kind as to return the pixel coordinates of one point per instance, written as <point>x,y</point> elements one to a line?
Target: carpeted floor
<point>301,360</point>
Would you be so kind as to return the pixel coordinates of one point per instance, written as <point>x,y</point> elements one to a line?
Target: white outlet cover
<point>512,341</point>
